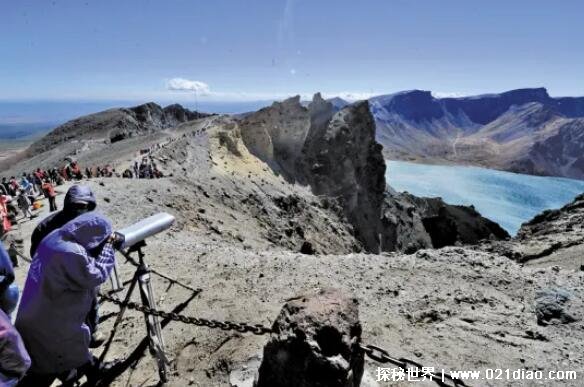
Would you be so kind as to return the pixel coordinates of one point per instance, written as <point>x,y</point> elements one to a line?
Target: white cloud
<point>293,71</point>
<point>181,84</point>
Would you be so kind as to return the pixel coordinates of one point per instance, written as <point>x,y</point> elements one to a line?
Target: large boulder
<point>315,343</point>
<point>551,306</point>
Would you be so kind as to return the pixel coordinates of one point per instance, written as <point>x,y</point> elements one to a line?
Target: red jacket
<point>49,190</point>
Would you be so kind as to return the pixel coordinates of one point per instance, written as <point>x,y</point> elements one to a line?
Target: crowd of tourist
<point>22,193</point>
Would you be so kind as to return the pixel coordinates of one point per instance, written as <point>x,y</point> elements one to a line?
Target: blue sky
<point>252,50</point>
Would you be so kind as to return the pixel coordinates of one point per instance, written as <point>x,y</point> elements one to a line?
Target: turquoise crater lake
<point>506,198</point>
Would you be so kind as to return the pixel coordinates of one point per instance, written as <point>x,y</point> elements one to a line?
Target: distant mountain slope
<point>116,124</point>
<point>522,130</point>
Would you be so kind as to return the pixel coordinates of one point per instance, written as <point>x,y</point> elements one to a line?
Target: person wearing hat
<point>69,266</point>
<point>78,200</point>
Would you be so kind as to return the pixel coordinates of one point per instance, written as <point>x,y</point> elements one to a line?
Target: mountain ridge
<point>517,131</point>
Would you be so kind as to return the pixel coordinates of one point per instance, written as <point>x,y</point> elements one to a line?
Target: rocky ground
<point>455,308</point>
<point>251,239</point>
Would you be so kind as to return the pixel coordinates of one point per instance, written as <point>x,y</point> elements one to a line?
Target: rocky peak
<point>341,159</point>
<point>116,125</point>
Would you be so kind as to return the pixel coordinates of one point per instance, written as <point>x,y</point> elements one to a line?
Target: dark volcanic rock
<point>402,225</point>
<point>315,343</point>
<point>451,224</point>
<point>413,223</point>
<point>551,305</point>
<point>344,161</point>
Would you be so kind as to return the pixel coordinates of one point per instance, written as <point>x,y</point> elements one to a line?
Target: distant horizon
<point>190,97</point>
<point>35,111</point>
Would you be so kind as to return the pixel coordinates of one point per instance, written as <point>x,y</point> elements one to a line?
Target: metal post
<point>153,328</point>
<point>117,286</point>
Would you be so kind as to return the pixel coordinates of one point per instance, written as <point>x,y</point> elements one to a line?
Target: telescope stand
<point>153,328</point>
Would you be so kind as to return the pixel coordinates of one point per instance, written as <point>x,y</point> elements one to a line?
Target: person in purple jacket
<point>14,360</point>
<point>70,264</point>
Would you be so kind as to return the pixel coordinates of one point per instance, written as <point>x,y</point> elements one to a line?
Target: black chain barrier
<point>256,329</point>
<point>373,352</point>
<point>380,355</point>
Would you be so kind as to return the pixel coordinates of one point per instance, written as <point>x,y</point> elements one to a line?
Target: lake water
<point>507,198</point>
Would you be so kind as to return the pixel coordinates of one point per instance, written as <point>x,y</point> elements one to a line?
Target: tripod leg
<point>120,317</point>
<point>153,327</point>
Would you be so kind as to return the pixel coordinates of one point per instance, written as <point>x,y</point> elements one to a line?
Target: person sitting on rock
<point>61,286</point>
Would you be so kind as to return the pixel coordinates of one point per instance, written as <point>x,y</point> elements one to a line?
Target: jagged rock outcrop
<point>449,224</point>
<point>342,160</point>
<point>276,134</point>
<point>315,343</point>
<point>412,223</point>
<point>554,237</point>
<point>337,155</point>
<point>115,125</point>
<point>250,204</point>
<point>402,225</point>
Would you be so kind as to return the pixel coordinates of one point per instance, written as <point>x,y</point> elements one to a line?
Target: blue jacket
<point>6,269</point>
<point>59,289</point>
<point>25,184</point>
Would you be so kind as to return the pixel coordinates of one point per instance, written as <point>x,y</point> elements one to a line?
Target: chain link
<point>256,329</point>
<point>380,355</point>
